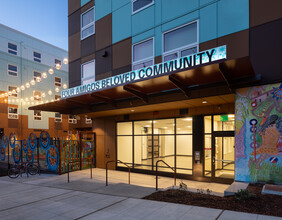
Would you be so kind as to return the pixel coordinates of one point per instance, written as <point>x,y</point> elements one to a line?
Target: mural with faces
<point>258,137</point>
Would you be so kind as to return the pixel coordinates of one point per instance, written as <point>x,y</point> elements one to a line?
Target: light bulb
<point>18,89</point>
<point>50,92</point>
<point>32,103</point>
<point>9,93</point>
<point>23,103</point>
<point>37,103</point>
<point>44,75</point>
<point>14,91</point>
<point>52,100</point>
<point>57,89</point>
<point>31,98</point>
<point>65,86</point>
<point>6,94</point>
<point>51,71</point>
<point>47,101</point>
<point>38,79</point>
<point>26,99</point>
<point>43,94</point>
<point>32,82</point>
<point>22,87</point>
<point>21,100</point>
<point>58,66</point>
<point>65,61</point>
<point>28,103</point>
<point>27,85</point>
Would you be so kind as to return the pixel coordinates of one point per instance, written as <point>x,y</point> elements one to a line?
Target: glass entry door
<point>223,156</point>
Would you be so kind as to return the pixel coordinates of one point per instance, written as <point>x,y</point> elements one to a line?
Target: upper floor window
<point>12,91</point>
<point>12,113</point>
<point>12,70</point>
<point>87,23</point>
<point>12,49</point>
<point>58,62</point>
<point>37,57</point>
<point>37,76</point>
<point>138,5</point>
<point>57,97</point>
<point>72,119</point>
<point>58,117</point>
<point>143,54</point>
<point>37,115</point>
<point>180,42</point>
<point>58,81</point>
<point>88,72</point>
<point>37,96</point>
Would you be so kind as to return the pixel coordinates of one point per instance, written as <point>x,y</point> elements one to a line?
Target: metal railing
<point>68,169</point>
<point>113,161</point>
<point>174,170</point>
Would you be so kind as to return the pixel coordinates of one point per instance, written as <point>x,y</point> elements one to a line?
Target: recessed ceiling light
<point>187,119</point>
<point>132,110</point>
<point>204,102</point>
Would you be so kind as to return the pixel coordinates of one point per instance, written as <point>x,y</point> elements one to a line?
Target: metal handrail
<point>74,163</point>
<point>174,170</point>
<point>112,161</point>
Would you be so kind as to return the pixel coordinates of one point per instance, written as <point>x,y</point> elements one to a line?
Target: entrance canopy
<point>219,77</point>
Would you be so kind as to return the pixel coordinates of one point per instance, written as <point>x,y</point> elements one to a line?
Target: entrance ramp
<point>234,187</point>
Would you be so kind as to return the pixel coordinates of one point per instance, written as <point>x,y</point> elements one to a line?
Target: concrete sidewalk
<point>51,197</point>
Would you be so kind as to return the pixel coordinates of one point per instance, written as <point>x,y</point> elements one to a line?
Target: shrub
<point>244,194</point>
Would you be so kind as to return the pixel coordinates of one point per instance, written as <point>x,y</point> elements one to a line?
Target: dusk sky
<point>44,19</point>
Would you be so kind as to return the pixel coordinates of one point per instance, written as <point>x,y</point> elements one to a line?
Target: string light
<point>32,82</point>
<point>38,79</point>
<point>27,85</point>
<point>65,86</point>
<point>22,87</point>
<point>18,89</point>
<point>50,71</point>
<point>43,94</point>
<point>65,61</point>
<point>44,75</point>
<point>57,89</point>
<point>58,66</point>
<point>50,92</point>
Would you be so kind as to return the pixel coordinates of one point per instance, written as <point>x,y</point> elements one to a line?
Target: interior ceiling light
<point>204,102</point>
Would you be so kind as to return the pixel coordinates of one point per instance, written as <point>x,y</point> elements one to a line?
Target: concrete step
<point>234,187</point>
<point>272,189</point>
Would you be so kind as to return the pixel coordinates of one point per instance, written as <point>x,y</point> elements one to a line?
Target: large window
<point>37,96</point>
<point>88,72</point>
<point>58,81</point>
<point>142,143</point>
<point>180,42</point>
<point>12,113</point>
<point>87,23</point>
<point>138,5</point>
<point>143,54</point>
<point>37,115</point>
<point>58,117</point>
<point>12,49</point>
<point>12,70</point>
<point>37,76</point>
<point>37,57</point>
<point>72,119</point>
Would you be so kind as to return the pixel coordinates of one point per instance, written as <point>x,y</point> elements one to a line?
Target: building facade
<point>29,76</point>
<point>191,83</point>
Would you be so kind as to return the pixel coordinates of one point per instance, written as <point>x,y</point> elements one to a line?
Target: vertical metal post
<point>8,154</point>
<point>175,177</point>
<point>68,164</point>
<point>107,174</point>
<point>91,169</point>
<point>129,175</point>
<point>254,135</point>
<point>157,176</point>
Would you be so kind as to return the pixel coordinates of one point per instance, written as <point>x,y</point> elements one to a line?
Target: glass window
<point>58,117</point>
<point>12,49</point>
<point>37,115</point>
<point>184,125</point>
<point>58,62</point>
<point>124,128</point>
<point>37,76</point>
<point>87,23</point>
<point>12,113</point>
<point>143,127</point>
<point>37,96</point>
<point>72,119</point>
<point>165,126</point>
<point>208,124</point>
<point>180,42</point>
<point>12,91</point>
<point>12,70</point>
<point>88,72</point>
<point>88,120</point>
<point>138,5</point>
<point>184,155</point>
<point>37,57</point>
<point>208,154</point>
<point>124,150</point>
<point>58,81</point>
<point>143,54</point>
<point>224,122</point>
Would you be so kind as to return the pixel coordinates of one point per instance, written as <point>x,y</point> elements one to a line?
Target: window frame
<point>58,119</point>
<point>88,25</point>
<point>34,78</point>
<point>143,60</point>
<point>140,9</point>
<point>180,49</point>
<point>88,120</point>
<point>13,95</point>
<point>12,70</point>
<point>58,61</point>
<point>9,49</point>
<point>40,97</point>
<point>72,120</point>
<point>87,78</point>
<point>35,117</point>
<point>36,58</point>
<point>10,115</point>
<point>58,84</point>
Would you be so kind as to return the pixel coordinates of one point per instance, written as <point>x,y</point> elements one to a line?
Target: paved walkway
<point>51,197</point>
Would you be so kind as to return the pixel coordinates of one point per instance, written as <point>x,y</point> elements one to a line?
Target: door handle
<point>213,159</point>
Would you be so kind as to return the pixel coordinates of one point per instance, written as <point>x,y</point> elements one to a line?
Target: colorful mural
<point>258,138</point>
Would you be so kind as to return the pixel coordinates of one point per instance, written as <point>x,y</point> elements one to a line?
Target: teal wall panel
<point>143,36</point>
<point>116,4</point>
<point>208,23</point>
<point>143,20</point>
<point>121,20</point>
<point>178,8</point>
<point>233,16</point>
<point>205,2</point>
<point>104,8</point>
<point>83,2</point>
<point>158,41</point>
